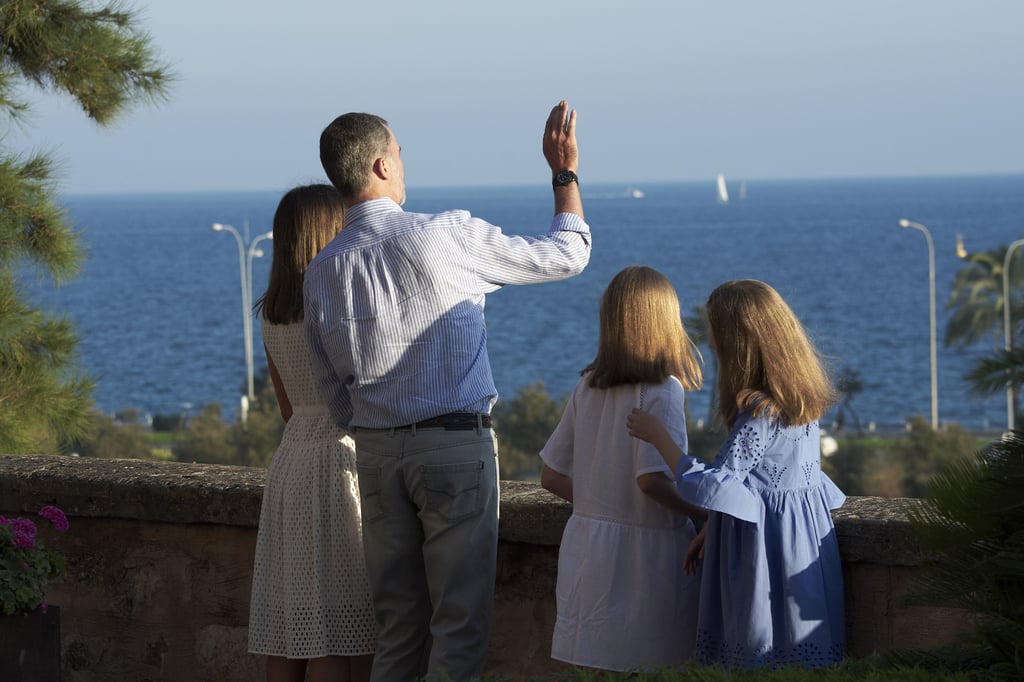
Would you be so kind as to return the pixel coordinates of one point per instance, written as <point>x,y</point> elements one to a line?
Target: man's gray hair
<point>348,148</point>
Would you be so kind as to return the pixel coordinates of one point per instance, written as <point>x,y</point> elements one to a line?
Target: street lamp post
<point>253,252</point>
<point>904,223</point>
<point>1007,329</point>
<point>245,257</point>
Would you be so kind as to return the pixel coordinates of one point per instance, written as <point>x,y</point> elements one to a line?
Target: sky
<point>667,90</point>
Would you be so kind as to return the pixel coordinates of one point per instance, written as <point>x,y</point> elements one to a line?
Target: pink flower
<point>55,516</point>
<point>24,533</point>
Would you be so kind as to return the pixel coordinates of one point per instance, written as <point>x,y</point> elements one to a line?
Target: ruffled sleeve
<point>721,487</point>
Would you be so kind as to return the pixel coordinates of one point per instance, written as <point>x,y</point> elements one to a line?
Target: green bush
<point>901,466</point>
<point>108,437</point>
<point>523,425</point>
<point>974,518</point>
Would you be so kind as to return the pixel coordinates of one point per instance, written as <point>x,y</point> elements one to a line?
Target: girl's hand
<point>695,553</point>
<point>645,426</point>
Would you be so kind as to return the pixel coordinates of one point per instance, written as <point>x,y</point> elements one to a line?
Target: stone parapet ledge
<point>870,529</point>
<point>877,530</point>
<point>139,490</point>
<point>159,569</point>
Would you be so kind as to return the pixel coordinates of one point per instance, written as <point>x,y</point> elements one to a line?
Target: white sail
<point>723,193</point>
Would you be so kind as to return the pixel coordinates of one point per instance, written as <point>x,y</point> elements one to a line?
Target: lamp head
<point>904,223</point>
<point>217,227</point>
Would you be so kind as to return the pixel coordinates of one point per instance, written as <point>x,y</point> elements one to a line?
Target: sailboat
<point>723,193</point>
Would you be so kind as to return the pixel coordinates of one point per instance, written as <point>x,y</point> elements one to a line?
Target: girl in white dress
<point>310,611</point>
<point>623,602</point>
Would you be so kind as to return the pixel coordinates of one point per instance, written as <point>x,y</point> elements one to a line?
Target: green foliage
<point>112,438</point>
<point>973,516</point>
<point>523,425</point>
<point>100,59</point>
<point>925,451</point>
<point>257,442</point>
<point>897,467</point>
<point>848,384</point>
<point>42,400</point>
<point>97,56</point>
<point>207,437</point>
<point>976,300</point>
<point>168,423</point>
<point>991,373</point>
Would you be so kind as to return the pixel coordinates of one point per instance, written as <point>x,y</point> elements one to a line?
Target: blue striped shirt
<point>394,308</point>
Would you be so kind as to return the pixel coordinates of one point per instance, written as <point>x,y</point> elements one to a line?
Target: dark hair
<point>348,148</point>
<point>306,220</point>
<point>642,334</point>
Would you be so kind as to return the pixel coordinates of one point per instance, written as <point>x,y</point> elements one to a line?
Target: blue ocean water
<point>158,304</point>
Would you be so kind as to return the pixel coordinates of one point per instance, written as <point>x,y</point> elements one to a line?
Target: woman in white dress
<point>310,611</point>
<point>622,600</point>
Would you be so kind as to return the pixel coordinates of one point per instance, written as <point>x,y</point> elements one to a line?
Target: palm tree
<point>991,373</point>
<point>849,385</point>
<point>976,301</point>
<point>977,305</point>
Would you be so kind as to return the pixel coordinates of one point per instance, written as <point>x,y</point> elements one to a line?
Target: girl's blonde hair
<point>306,220</point>
<point>766,362</point>
<point>642,335</point>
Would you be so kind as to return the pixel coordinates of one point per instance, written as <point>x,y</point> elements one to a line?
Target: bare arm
<point>282,398</point>
<point>647,427</point>
<point>695,553</point>
<point>562,153</point>
<point>662,490</point>
<point>556,483</point>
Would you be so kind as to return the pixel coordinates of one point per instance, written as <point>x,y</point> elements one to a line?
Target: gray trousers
<point>430,534</point>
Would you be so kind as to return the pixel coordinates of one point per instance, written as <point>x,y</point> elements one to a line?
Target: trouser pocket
<point>453,490</point>
<point>370,492</point>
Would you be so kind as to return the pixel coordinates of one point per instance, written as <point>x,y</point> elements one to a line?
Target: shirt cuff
<point>569,222</point>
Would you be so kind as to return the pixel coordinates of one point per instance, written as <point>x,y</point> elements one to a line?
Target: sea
<point>158,303</point>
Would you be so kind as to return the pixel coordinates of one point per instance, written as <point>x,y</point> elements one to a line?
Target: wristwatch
<point>563,178</point>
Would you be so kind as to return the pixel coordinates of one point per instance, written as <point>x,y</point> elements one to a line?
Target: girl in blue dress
<point>771,584</point>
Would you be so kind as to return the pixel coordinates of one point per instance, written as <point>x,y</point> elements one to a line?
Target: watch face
<point>564,177</point>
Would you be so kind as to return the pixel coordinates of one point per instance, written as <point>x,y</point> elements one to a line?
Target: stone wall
<point>159,563</point>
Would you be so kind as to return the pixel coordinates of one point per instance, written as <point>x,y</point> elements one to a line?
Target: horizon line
<point>634,184</point>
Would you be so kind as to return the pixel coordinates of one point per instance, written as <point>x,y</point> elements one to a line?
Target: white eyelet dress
<point>310,593</point>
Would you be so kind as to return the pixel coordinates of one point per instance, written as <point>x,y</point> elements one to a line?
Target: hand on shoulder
<point>644,425</point>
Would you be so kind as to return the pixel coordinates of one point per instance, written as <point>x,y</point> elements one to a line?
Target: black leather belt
<point>455,421</point>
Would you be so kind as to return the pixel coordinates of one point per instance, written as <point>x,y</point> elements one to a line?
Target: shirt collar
<point>371,207</point>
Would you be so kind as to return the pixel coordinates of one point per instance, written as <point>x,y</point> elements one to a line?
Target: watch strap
<point>564,177</point>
